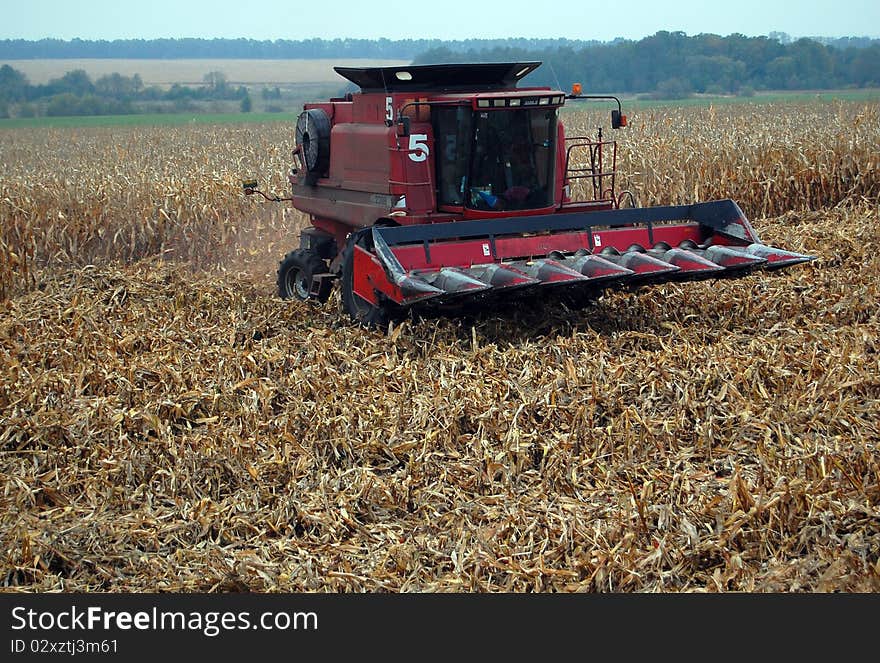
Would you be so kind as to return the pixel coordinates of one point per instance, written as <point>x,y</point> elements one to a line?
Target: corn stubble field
<point>168,424</point>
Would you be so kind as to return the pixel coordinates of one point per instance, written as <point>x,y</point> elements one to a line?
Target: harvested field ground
<point>168,424</point>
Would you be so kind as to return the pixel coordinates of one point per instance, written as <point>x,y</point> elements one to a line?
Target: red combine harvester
<point>441,184</point>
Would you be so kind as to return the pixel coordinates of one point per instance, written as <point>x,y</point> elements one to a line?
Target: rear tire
<point>295,274</point>
<point>360,310</point>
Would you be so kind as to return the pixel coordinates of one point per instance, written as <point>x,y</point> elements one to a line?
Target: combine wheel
<point>295,274</point>
<point>360,310</point>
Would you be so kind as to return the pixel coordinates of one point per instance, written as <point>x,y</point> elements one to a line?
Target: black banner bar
<point>239,627</point>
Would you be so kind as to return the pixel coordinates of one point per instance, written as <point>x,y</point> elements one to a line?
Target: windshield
<point>509,165</point>
<point>512,161</point>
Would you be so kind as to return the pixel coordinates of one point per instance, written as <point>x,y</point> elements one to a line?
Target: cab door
<point>453,128</point>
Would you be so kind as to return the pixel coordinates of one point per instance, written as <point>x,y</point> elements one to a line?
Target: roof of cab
<point>473,77</point>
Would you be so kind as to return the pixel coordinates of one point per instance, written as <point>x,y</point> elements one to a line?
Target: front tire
<point>295,276</point>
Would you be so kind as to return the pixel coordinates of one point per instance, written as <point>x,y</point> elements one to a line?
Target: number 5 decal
<point>418,147</point>
<point>389,110</point>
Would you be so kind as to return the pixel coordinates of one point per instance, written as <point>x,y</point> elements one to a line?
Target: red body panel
<point>361,158</point>
<point>369,278</point>
<point>415,164</point>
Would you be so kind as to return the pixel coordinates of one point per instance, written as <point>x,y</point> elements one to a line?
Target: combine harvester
<point>442,184</point>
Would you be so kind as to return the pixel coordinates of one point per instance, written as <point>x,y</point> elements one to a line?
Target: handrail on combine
<point>595,171</point>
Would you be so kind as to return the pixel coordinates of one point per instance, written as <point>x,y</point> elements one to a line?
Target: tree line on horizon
<point>75,93</point>
<point>339,48</point>
<point>667,65</point>
<point>674,65</point>
<point>282,49</point>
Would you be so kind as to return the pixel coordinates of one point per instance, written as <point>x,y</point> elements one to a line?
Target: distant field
<point>149,120</point>
<point>189,72</point>
<point>303,91</point>
<point>763,97</point>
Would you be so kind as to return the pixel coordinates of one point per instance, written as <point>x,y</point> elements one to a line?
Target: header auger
<point>438,184</point>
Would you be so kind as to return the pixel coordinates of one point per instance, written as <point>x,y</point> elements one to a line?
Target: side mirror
<point>618,119</point>
<point>403,126</point>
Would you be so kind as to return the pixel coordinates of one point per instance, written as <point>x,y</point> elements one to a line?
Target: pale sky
<point>440,19</point>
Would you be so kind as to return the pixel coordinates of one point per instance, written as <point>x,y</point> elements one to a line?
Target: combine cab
<point>444,184</point>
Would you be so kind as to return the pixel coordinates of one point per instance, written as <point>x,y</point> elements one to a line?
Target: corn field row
<point>85,196</point>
